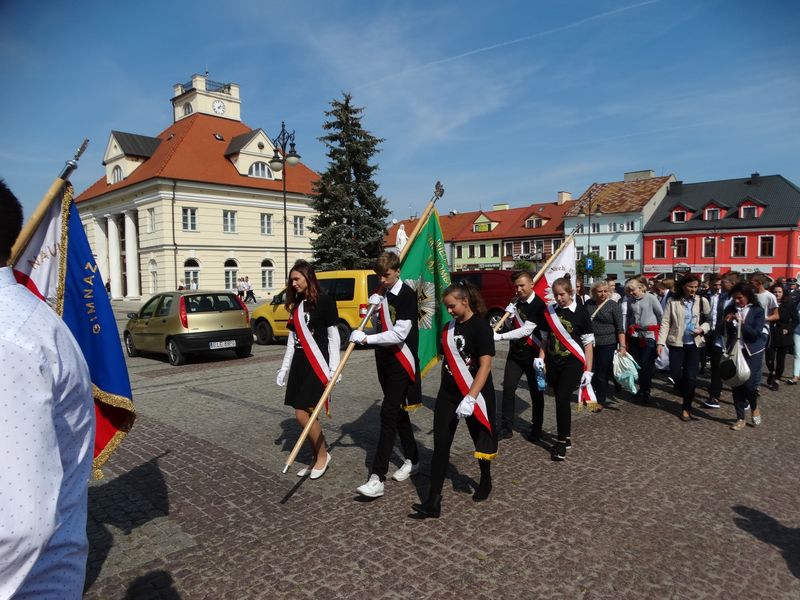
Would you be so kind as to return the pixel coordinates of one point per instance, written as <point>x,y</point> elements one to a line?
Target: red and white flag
<point>37,267</point>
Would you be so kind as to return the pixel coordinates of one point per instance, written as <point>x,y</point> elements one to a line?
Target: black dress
<point>304,388</point>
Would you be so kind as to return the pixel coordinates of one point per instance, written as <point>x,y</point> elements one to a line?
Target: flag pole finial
<point>72,163</point>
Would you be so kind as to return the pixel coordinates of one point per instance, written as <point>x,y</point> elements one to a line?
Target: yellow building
<point>198,205</point>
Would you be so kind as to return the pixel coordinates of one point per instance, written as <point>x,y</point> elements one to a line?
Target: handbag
<point>733,367</point>
<point>626,372</point>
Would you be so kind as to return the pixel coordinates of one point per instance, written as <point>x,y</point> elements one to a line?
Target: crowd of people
<point>681,327</point>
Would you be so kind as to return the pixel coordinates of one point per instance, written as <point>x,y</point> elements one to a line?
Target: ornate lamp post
<point>291,158</point>
<point>674,246</point>
<point>713,237</point>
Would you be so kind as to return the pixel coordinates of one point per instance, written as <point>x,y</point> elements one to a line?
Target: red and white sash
<point>585,394</point>
<point>532,340</point>
<point>310,348</point>
<point>401,351</point>
<point>461,373</point>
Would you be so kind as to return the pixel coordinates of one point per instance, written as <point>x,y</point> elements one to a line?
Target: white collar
<point>397,287</point>
<point>572,307</point>
<point>530,298</point>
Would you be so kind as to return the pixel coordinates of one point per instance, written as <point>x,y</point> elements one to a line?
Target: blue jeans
<point>645,357</point>
<point>684,362</point>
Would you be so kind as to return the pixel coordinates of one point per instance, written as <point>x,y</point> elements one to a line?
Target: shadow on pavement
<point>771,531</point>
<point>126,502</point>
<point>155,585</point>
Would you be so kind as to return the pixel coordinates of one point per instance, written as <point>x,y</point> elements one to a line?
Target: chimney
<point>563,197</point>
<point>754,178</point>
<point>675,188</point>
<point>500,206</point>
<point>639,175</point>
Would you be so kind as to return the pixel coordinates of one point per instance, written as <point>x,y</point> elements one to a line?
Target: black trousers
<point>715,354</point>
<point>394,420</point>
<point>564,380</point>
<point>445,423</point>
<point>775,359</point>
<point>603,370</point>
<point>515,369</point>
<point>684,362</point>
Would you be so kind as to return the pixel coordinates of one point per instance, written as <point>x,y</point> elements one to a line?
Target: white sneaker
<point>373,488</point>
<point>405,471</point>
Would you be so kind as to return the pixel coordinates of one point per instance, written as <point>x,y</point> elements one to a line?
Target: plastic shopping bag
<point>662,360</point>
<point>626,372</point>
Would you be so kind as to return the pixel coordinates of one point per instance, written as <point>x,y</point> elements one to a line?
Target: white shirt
<point>46,443</point>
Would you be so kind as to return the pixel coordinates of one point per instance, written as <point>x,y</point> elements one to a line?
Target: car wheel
<point>130,347</point>
<point>494,317</point>
<point>263,333</point>
<point>176,356</point>
<point>344,334</point>
<point>243,351</point>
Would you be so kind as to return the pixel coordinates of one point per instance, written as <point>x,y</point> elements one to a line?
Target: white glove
<point>331,373</point>
<point>358,337</point>
<point>465,407</point>
<point>376,299</point>
<point>511,309</point>
<point>538,363</point>
<point>281,378</point>
<point>498,337</point>
<point>586,378</point>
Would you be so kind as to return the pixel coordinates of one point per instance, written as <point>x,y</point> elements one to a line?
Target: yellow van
<point>350,289</point>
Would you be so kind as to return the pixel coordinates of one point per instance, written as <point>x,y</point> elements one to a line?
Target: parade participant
<point>312,356</point>
<point>398,372</point>
<point>781,336</point>
<point>47,422</point>
<point>248,288</point>
<point>642,320</point>
<point>466,391</point>
<point>567,356</point>
<point>745,321</point>
<point>525,312</point>
<point>683,329</point>
<point>718,299</point>
<point>793,290</point>
<point>609,336</point>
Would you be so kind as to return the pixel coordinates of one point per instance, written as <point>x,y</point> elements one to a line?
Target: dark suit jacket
<point>754,339</point>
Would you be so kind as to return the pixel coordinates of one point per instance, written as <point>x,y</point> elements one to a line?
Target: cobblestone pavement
<point>194,504</point>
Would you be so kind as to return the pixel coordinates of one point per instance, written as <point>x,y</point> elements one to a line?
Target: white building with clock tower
<point>197,205</point>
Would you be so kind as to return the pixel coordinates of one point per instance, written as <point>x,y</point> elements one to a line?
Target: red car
<point>496,288</point>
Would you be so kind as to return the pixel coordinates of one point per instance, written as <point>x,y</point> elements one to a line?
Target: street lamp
<point>588,213</point>
<point>674,246</point>
<point>291,158</point>
<point>537,258</point>
<point>713,237</point>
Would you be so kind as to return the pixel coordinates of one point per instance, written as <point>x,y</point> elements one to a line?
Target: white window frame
<point>609,250</point>
<point>459,252</point>
<point>229,221</point>
<point>612,227</point>
<point>509,248</point>
<point>556,245</point>
<point>191,274</point>
<point>116,174</point>
<point>707,216</point>
<point>526,248</point>
<point>578,252</point>
<point>760,241</point>
<point>595,250</point>
<point>630,226</point>
<point>579,228</point>
<point>471,251</point>
<point>716,247</point>
<point>267,275</point>
<point>630,252</point>
<point>733,246</point>
<point>298,225</point>
<point>749,207</point>
<point>231,275</point>
<point>675,214</point>
<point>675,249</point>
<point>151,220</point>
<point>595,228</point>
<point>657,243</point>
<point>188,218</point>
<point>266,223</point>
<point>482,251</point>
<point>261,170</point>
<point>495,250</point>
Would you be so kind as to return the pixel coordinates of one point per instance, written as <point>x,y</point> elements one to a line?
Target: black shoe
<point>506,434</point>
<point>568,445</point>
<point>431,508</point>
<point>774,385</point>
<point>559,451</point>
<point>770,380</point>
<point>483,491</point>
<point>534,435</point>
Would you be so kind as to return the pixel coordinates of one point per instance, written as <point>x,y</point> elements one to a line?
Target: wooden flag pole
<point>438,193</point>
<point>536,278</point>
<point>44,205</point>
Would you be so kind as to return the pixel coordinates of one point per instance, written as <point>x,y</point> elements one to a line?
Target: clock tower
<point>201,95</point>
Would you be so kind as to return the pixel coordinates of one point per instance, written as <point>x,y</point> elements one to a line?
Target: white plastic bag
<point>626,372</point>
<point>662,360</point>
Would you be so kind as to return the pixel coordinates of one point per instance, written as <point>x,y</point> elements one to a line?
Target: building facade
<point>747,225</point>
<point>198,205</point>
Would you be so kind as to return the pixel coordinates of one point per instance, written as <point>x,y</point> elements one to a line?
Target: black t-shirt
<point>323,315</point>
<point>532,311</point>
<point>576,323</point>
<point>402,307</point>
<point>473,338</point>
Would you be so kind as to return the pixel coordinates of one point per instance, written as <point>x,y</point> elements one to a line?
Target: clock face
<point>218,106</point>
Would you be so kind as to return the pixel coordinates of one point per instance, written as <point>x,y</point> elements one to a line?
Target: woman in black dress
<point>781,336</point>
<point>466,391</point>
<point>312,356</point>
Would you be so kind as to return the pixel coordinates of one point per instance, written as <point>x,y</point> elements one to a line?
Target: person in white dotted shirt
<point>46,439</point>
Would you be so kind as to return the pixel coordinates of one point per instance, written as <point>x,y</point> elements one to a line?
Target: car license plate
<point>225,344</point>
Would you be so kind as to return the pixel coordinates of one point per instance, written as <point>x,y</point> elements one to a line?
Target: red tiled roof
<point>620,196</point>
<point>190,152</point>
<point>452,225</point>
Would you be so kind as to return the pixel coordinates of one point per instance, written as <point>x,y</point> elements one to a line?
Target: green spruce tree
<point>351,217</point>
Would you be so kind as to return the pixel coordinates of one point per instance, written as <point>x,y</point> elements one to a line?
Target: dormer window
<point>187,109</point>
<point>260,169</point>
<point>679,216</point>
<point>534,223</point>
<point>481,227</point>
<point>712,214</point>
<point>748,212</point>
<point>116,174</point>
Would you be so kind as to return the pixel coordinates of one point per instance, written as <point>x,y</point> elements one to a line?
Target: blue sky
<point>504,101</point>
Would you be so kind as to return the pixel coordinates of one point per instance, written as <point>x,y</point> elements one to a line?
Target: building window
<point>579,251</point>
<point>191,274</point>
<point>681,248</point>
<point>538,247</point>
<point>189,218</point>
<point>483,251</point>
<point>495,250</point>
<point>534,223</point>
<point>579,228</point>
<point>594,250</point>
<point>630,225</point>
<point>595,227</point>
<point>229,221</point>
<point>629,252</point>
<point>231,274</point>
<point>749,212</point>
<point>739,247</point>
<point>712,214</point>
<point>679,216</point>
<point>612,227</point>
<point>766,245</point>
<point>260,169</point>
<point>710,247</point>
<point>509,249</point>
<point>267,269</point>
<point>151,220</point>
<point>471,251</point>
<point>660,249</point>
<point>612,253</point>
<point>299,225</point>
<point>556,245</point>
<point>526,248</point>
<point>116,174</point>
<point>459,252</point>
<point>266,224</point>
<point>481,227</point>
<point>187,109</point>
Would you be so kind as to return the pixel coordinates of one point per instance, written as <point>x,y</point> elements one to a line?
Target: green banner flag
<point>424,268</point>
